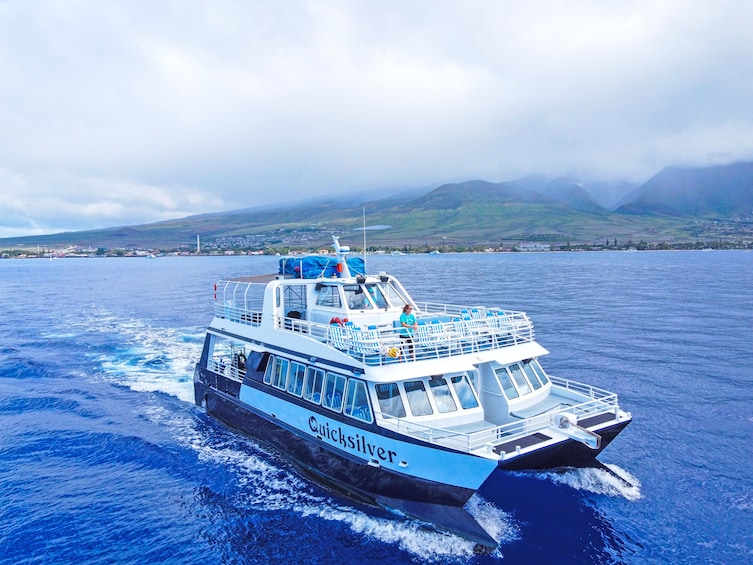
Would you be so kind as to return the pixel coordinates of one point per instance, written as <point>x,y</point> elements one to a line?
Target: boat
<point>313,361</point>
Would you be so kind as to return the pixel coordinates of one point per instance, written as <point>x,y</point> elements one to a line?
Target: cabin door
<point>293,303</point>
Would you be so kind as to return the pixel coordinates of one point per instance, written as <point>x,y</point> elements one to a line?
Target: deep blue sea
<point>104,458</point>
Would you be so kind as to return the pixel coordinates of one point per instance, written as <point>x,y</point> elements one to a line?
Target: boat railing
<point>227,369</point>
<point>444,330</point>
<point>239,314</point>
<point>601,402</point>
<point>588,390</point>
<point>433,339</point>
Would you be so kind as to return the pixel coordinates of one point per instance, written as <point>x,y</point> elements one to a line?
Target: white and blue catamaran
<point>312,361</point>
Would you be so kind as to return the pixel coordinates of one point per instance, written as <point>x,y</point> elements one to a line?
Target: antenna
<point>364,239</point>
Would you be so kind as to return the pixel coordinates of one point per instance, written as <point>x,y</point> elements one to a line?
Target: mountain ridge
<point>675,203</point>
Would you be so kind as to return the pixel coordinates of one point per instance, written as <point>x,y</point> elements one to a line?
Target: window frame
<point>439,383</point>
<point>520,382</point>
<point>508,377</point>
<point>309,390</point>
<point>383,401</point>
<point>538,370</point>
<point>356,388</point>
<point>334,378</point>
<point>331,294</point>
<point>269,370</point>
<point>291,378</point>
<point>464,378</point>
<point>408,395</point>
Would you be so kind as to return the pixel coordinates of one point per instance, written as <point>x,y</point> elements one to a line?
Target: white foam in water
<point>497,523</point>
<point>153,359</point>
<point>149,359</point>
<point>744,502</point>
<point>269,487</point>
<point>599,481</point>
<point>412,536</point>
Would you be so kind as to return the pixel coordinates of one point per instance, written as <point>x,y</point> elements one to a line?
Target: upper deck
<point>372,337</point>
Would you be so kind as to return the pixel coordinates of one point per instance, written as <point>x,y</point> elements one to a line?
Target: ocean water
<point>105,459</point>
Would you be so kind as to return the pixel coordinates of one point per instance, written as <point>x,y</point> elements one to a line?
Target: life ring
<point>242,361</point>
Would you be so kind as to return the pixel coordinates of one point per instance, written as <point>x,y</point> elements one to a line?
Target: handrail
<point>226,369</point>
<point>602,401</point>
<point>434,340</point>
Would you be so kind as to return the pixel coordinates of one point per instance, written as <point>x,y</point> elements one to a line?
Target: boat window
<point>390,401</point>
<point>538,371</point>
<point>297,375</point>
<point>442,395</point>
<point>464,391</point>
<point>357,401</point>
<point>376,295</point>
<point>334,387</point>
<point>520,379</point>
<point>329,295</point>
<point>506,383</point>
<point>280,374</point>
<point>313,389</point>
<point>531,376</point>
<point>270,370</point>
<point>356,297</point>
<point>295,299</point>
<point>393,295</point>
<point>418,399</point>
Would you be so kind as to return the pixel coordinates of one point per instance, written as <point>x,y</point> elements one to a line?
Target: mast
<point>364,239</point>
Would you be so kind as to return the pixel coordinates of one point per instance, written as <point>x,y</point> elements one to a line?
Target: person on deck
<point>407,326</point>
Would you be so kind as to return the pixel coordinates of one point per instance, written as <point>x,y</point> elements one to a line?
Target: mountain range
<point>676,204</point>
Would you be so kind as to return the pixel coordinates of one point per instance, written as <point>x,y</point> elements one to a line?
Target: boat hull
<point>438,503</point>
<point>568,453</point>
<point>316,457</point>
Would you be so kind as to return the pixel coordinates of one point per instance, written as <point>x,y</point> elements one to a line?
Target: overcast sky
<point>128,112</point>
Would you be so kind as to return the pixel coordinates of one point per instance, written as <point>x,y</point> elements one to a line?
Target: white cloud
<point>45,203</point>
<point>109,110</point>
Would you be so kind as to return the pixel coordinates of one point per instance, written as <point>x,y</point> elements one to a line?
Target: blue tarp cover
<point>315,266</point>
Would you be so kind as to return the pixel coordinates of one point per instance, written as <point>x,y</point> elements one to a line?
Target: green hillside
<point>468,214</point>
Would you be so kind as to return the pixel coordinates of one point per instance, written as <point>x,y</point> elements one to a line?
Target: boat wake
<point>152,359</point>
<point>612,480</point>
<point>147,358</point>
<point>412,536</point>
<point>265,486</point>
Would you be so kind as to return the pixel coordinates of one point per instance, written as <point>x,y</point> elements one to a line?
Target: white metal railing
<point>580,388</point>
<point>601,402</point>
<point>440,333</point>
<point>229,370</point>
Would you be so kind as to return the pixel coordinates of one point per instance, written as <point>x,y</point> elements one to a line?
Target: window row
<point>520,379</point>
<point>359,296</point>
<point>331,390</point>
<point>443,393</point>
